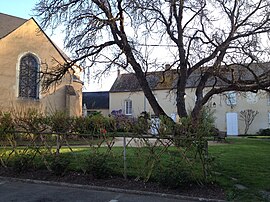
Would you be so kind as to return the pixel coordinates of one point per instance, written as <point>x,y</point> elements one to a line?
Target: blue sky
<point>19,8</point>
<point>24,9</point>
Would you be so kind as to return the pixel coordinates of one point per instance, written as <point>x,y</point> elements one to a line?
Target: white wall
<point>167,101</point>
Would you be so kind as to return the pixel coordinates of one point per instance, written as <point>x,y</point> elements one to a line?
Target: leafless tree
<point>248,117</point>
<point>223,43</point>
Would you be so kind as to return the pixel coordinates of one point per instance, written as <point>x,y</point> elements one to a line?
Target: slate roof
<point>96,100</point>
<point>158,80</point>
<point>129,82</point>
<point>9,23</point>
<point>166,80</point>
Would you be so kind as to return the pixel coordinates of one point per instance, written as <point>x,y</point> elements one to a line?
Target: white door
<point>232,123</point>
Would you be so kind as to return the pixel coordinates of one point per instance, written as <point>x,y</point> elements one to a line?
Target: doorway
<point>232,123</point>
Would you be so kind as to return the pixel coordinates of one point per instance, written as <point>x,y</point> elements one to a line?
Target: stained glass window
<point>28,79</point>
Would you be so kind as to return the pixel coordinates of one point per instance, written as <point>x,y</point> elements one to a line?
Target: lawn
<point>246,162</point>
<point>241,165</point>
<point>242,162</point>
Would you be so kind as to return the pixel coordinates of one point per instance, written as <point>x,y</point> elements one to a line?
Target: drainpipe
<point>144,103</point>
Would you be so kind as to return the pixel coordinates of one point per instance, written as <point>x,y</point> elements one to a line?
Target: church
<point>26,54</point>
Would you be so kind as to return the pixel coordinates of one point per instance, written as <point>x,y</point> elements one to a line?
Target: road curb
<point>111,189</point>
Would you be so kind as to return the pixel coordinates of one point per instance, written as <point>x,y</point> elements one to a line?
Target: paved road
<point>32,192</point>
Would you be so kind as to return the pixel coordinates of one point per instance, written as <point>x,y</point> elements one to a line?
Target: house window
<point>128,107</point>
<point>251,97</point>
<point>28,77</point>
<point>231,98</point>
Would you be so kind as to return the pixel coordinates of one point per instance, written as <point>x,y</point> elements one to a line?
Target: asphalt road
<point>39,192</point>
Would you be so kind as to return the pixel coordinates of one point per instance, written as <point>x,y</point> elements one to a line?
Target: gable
<point>9,23</point>
<point>19,28</point>
<point>27,39</point>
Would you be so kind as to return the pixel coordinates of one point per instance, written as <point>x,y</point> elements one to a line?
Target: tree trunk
<point>140,75</point>
<point>181,105</point>
<point>144,84</point>
<point>195,114</point>
<point>148,92</point>
<point>181,95</point>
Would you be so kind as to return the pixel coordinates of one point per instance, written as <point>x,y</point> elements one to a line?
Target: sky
<point>19,8</point>
<point>24,9</point>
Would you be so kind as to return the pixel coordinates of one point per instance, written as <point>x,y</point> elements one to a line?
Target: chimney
<point>169,72</point>
<point>118,72</point>
<point>167,67</point>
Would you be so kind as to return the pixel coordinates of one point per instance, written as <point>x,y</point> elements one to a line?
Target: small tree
<point>248,117</point>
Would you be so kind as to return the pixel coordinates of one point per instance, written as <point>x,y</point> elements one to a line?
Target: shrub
<point>172,175</point>
<point>192,135</point>
<point>97,165</point>
<point>60,122</point>
<point>21,162</point>
<point>264,132</point>
<point>83,125</point>
<point>59,165</point>
<point>123,123</point>
<point>30,120</point>
<point>142,124</point>
<point>6,125</point>
<point>100,122</point>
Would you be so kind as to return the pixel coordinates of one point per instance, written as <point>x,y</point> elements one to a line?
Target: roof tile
<point>9,23</point>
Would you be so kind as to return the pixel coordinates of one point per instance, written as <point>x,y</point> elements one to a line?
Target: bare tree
<point>222,43</point>
<point>248,117</point>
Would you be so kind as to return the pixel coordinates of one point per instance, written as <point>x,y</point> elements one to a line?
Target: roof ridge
<point>9,23</point>
<point>13,16</point>
<point>151,72</point>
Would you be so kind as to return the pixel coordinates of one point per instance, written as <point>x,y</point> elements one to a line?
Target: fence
<point>131,155</point>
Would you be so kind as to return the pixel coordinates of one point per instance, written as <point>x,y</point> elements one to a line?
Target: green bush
<point>21,162</point>
<point>101,122</point>
<point>60,122</point>
<point>92,124</point>
<point>30,120</point>
<point>123,123</point>
<point>7,125</point>
<point>59,165</point>
<point>97,165</point>
<point>142,124</point>
<point>264,132</point>
<point>172,175</point>
<point>83,125</point>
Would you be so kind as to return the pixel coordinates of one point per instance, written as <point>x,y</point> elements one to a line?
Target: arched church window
<point>28,77</point>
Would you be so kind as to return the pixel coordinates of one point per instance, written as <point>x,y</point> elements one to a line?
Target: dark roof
<point>96,100</point>
<point>166,80</point>
<point>159,80</point>
<point>9,23</point>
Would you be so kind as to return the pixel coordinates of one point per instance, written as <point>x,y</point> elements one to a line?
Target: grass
<point>259,137</point>
<point>246,162</point>
<point>243,161</point>
<point>52,141</point>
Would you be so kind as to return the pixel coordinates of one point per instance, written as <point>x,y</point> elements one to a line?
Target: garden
<point>120,152</point>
